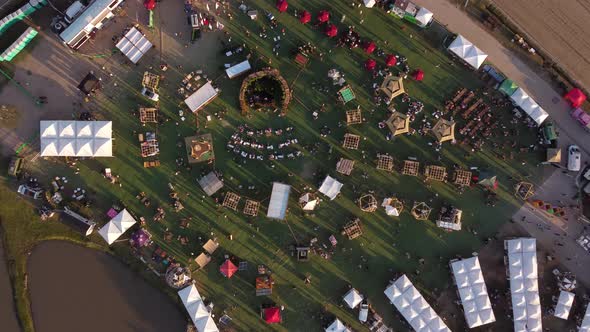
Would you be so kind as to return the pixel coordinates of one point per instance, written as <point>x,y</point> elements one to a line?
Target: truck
<point>15,166</point>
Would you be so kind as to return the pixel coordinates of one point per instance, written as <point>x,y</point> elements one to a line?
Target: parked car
<point>573,158</point>
<point>151,94</point>
<point>34,193</point>
<point>15,166</point>
<point>364,311</point>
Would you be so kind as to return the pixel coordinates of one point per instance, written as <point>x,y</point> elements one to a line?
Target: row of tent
<point>18,45</point>
<point>468,52</point>
<point>20,14</point>
<point>522,100</point>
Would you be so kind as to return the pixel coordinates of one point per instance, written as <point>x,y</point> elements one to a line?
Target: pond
<point>78,289</point>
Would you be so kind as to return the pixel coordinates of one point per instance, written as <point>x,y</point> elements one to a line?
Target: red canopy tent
<point>305,17</point>
<point>323,16</point>
<point>576,97</point>
<point>369,47</point>
<point>149,4</point>
<point>282,6</point>
<point>272,315</point>
<point>390,60</point>
<point>331,31</point>
<point>418,75</point>
<point>228,269</point>
<point>370,64</point>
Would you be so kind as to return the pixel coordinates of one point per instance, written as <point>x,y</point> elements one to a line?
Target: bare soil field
<point>560,27</point>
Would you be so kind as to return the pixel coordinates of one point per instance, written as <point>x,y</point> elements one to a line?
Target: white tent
<point>330,187</point>
<point>519,97</point>
<point>473,292</point>
<point>369,3</point>
<point>117,226</point>
<point>337,326</point>
<point>307,202</point>
<point>424,17</point>
<point>524,289</point>
<point>585,326</point>
<point>238,69</point>
<point>201,97</point>
<point>134,45</point>
<point>564,305</point>
<point>410,303</point>
<point>279,200</point>
<point>522,100</point>
<point>389,210</point>
<point>76,138</point>
<point>352,298</point>
<point>200,313</point>
<point>468,52</point>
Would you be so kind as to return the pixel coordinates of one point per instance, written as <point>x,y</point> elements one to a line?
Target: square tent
<point>201,97</point>
<point>424,17</point>
<point>564,305</point>
<point>352,298</point>
<point>330,187</point>
<point>337,326</point>
<point>279,200</point>
<point>117,226</point>
<point>134,45</point>
<point>508,87</point>
<point>210,183</point>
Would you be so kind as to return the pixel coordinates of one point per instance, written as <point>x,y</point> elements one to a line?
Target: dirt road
<point>503,58</point>
<point>560,27</point>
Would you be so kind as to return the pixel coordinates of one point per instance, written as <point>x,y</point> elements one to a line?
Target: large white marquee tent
<point>76,138</point>
<point>117,226</point>
<point>522,100</point>
<point>585,326</point>
<point>197,310</point>
<point>279,199</point>
<point>524,284</point>
<point>201,97</point>
<point>473,292</point>
<point>564,304</point>
<point>410,303</point>
<point>468,52</point>
<point>331,187</point>
<point>134,45</point>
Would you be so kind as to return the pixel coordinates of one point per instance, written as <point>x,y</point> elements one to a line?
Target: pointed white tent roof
<point>76,138</point>
<point>117,226</point>
<point>330,187</point>
<point>199,313</point>
<point>472,292</point>
<point>353,298</point>
<point>308,202</point>
<point>459,46</point>
<point>337,326</point>
<point>464,49</point>
<point>475,57</point>
<point>564,305</point>
<point>522,268</point>
<point>410,303</point>
<point>424,16</point>
<point>189,295</point>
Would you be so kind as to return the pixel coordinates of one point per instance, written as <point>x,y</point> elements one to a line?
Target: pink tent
<point>576,97</point>
<point>282,6</point>
<point>390,60</point>
<point>370,64</point>
<point>305,17</point>
<point>228,269</point>
<point>149,4</point>
<point>323,16</point>
<point>418,75</point>
<point>331,31</point>
<point>272,315</point>
<point>369,47</point>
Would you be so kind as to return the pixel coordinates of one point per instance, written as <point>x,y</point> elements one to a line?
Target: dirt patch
<point>9,116</point>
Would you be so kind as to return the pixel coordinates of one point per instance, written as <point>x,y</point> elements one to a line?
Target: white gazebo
<point>337,326</point>
<point>134,45</point>
<point>424,17</point>
<point>117,226</point>
<point>352,298</point>
<point>279,200</point>
<point>330,187</point>
<point>200,313</point>
<point>468,52</point>
<point>201,97</point>
<point>76,138</point>
<point>564,305</point>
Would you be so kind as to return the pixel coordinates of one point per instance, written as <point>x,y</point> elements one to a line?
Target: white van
<point>73,11</point>
<point>573,158</point>
<point>364,311</point>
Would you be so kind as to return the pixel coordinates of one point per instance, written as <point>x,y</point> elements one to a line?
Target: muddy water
<point>8,320</point>
<point>78,289</point>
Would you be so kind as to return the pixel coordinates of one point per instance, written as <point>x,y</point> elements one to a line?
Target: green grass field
<point>367,263</point>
